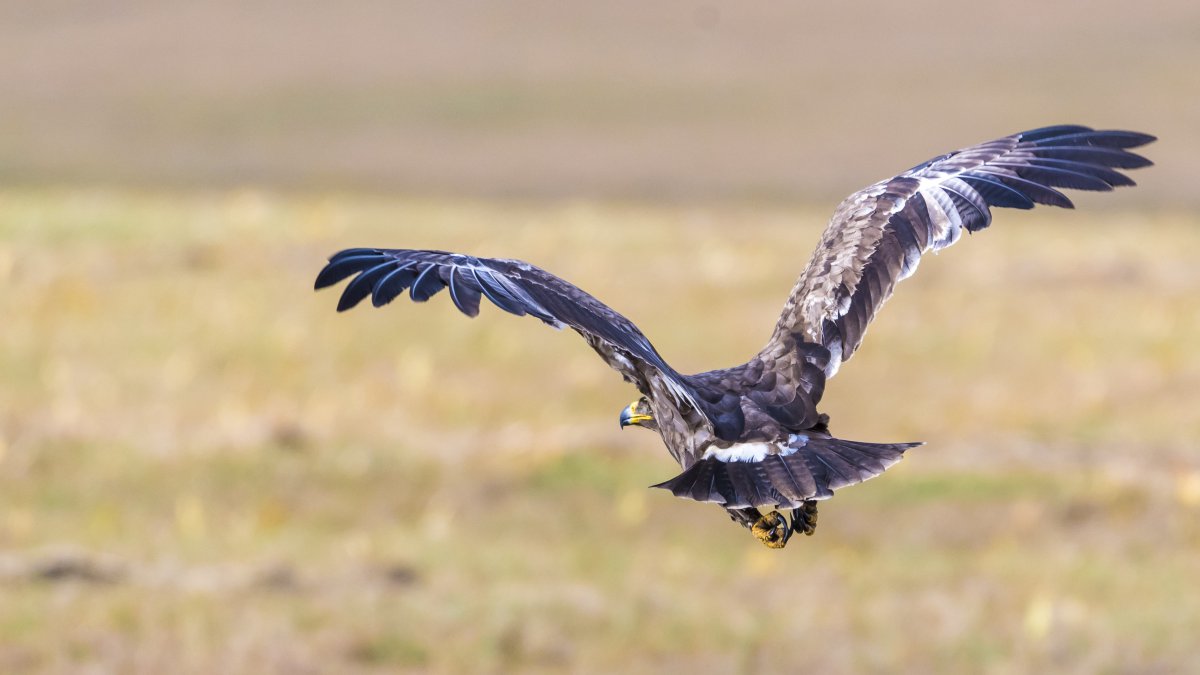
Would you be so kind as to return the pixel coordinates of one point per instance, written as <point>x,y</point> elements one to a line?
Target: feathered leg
<point>744,517</point>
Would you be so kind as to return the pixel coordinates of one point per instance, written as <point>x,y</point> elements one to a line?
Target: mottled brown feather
<point>877,235</point>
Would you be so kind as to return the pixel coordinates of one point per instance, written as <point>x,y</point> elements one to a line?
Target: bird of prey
<point>750,437</point>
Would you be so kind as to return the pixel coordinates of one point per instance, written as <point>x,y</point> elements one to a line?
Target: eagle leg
<point>772,529</point>
<point>804,519</point>
<point>745,517</point>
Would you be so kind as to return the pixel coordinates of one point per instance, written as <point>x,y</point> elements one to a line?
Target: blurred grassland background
<point>203,468</point>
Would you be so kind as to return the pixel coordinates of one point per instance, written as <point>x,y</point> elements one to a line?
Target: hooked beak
<point>629,416</point>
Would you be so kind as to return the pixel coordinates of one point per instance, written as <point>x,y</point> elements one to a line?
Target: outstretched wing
<point>512,285</point>
<point>877,235</point>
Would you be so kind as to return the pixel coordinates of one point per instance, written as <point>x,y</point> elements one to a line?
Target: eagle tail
<point>809,466</point>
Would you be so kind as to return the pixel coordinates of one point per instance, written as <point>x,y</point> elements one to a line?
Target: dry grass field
<point>204,469</point>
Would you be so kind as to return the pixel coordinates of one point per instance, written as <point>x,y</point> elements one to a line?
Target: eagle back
<point>772,395</point>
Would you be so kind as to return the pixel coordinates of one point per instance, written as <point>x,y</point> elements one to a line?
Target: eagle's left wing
<point>512,285</point>
<point>877,235</point>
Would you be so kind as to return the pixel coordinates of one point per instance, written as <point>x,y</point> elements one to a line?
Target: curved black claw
<point>772,530</point>
<point>804,519</point>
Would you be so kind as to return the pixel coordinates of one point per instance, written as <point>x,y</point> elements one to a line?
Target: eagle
<point>751,438</point>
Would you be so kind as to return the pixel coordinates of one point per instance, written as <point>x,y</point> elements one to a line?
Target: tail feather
<point>809,467</point>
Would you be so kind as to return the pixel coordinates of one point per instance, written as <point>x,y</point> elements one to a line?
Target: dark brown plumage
<point>751,436</point>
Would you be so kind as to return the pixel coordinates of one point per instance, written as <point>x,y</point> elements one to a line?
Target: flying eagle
<point>751,436</point>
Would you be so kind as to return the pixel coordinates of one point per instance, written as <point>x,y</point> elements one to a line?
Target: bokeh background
<point>204,469</point>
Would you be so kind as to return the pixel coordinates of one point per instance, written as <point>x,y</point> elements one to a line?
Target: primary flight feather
<point>751,436</point>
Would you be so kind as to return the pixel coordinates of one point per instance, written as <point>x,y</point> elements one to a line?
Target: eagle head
<point>638,413</point>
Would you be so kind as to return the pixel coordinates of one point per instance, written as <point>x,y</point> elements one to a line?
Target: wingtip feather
<point>346,302</point>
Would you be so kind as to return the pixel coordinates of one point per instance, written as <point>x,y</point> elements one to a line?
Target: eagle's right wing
<point>877,235</point>
<point>512,285</point>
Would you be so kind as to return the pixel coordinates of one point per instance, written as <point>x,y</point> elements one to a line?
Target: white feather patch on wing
<point>620,359</point>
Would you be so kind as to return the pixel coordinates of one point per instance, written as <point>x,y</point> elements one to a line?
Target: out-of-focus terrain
<point>205,469</point>
<point>679,99</point>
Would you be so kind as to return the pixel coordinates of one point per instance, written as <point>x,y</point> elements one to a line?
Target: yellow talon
<point>771,530</point>
<point>804,519</point>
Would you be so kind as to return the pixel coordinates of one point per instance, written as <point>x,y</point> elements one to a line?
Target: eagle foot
<point>804,519</point>
<point>772,530</point>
